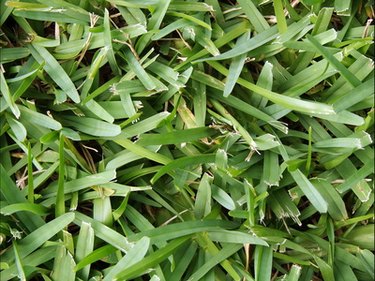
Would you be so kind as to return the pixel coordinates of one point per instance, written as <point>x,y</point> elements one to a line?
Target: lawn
<point>187,140</point>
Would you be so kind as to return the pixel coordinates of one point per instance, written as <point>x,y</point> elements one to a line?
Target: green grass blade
<point>135,255</point>
<point>55,71</point>
<point>263,262</point>
<point>39,236</point>
<point>139,70</point>
<point>350,77</point>
<point>17,127</point>
<point>60,200</point>
<point>85,246</point>
<point>19,207</point>
<point>152,259</point>
<point>81,183</point>
<point>183,162</point>
<point>236,67</point>
<point>39,119</point>
<point>234,237</point>
<point>254,16</point>
<point>285,101</point>
<point>203,198</point>
<point>104,232</point>
<point>175,137</point>
<point>363,172</point>
<point>63,265</point>
<point>247,46</point>
<point>144,152</point>
<point>279,12</point>
<point>355,95</point>
<point>12,195</point>
<point>21,272</point>
<point>310,191</point>
<point>94,256</point>
<point>8,96</point>
<point>92,126</point>
<point>177,230</point>
<point>108,43</point>
<point>336,206</point>
<point>218,258</point>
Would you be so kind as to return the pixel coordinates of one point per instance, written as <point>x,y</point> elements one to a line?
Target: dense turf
<point>187,140</point>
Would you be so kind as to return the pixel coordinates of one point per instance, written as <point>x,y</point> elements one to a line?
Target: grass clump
<point>187,140</point>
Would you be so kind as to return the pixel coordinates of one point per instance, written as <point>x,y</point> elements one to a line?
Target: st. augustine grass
<point>187,140</point>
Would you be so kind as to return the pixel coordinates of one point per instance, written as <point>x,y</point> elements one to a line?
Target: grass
<point>185,140</point>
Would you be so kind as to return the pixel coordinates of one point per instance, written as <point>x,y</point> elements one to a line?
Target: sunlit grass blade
<point>363,172</point>
<point>102,210</point>
<point>247,137</point>
<point>355,95</point>
<point>336,206</point>
<point>143,126</point>
<point>265,80</point>
<point>191,18</point>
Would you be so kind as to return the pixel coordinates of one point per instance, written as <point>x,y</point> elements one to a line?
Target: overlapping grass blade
<point>8,96</point>
<point>310,191</point>
<point>39,236</point>
<point>152,259</point>
<point>135,255</point>
<point>55,71</point>
<point>183,162</point>
<point>285,101</point>
<point>92,126</point>
<point>19,207</point>
<point>105,233</point>
<point>236,67</point>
